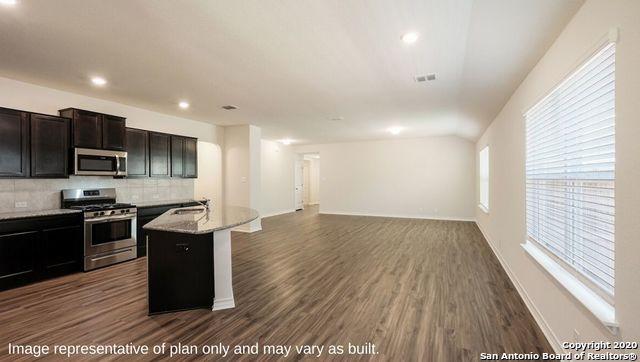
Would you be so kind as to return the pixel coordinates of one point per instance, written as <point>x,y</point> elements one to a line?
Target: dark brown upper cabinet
<point>96,130</point>
<point>159,154</point>
<point>177,155</point>
<point>137,152</point>
<point>114,133</point>
<point>184,157</point>
<point>190,158</point>
<point>49,146</point>
<point>14,143</point>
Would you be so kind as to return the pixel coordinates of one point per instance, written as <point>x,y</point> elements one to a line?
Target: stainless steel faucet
<point>206,203</point>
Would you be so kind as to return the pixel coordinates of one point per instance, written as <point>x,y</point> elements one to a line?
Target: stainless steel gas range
<point>109,227</point>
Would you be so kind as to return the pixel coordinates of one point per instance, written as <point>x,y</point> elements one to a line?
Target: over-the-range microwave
<point>91,162</point>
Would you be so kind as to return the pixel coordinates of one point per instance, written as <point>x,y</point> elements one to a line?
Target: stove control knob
<point>123,211</point>
<point>96,213</point>
<point>101,212</point>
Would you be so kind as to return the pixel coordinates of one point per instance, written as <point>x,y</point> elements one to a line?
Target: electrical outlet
<point>20,204</point>
<point>576,336</point>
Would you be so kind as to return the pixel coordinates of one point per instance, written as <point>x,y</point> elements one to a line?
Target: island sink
<point>189,258</point>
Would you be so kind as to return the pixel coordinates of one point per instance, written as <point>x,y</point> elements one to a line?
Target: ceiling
<point>310,70</point>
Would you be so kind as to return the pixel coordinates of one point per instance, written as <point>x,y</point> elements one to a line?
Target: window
<point>484,179</point>
<point>570,171</point>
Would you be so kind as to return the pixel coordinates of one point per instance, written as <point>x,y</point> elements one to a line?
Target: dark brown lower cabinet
<point>39,248</point>
<point>180,271</point>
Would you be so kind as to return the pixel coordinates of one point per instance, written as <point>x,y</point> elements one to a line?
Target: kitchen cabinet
<point>114,133</point>
<point>137,141</point>
<point>159,154</point>
<point>146,215</point>
<point>14,143</point>
<point>177,156</point>
<point>49,146</point>
<point>184,158</point>
<point>86,127</point>
<point>38,248</point>
<point>190,158</point>
<point>96,130</point>
<point>62,249</point>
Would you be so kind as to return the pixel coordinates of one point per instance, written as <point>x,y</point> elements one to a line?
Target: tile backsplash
<point>43,194</point>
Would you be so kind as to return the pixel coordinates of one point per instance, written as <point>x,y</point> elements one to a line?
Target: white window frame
<point>596,299</point>
<point>484,178</point>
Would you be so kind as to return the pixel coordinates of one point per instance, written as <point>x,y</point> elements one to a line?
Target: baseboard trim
<point>278,213</point>
<point>224,303</point>
<point>535,312</point>
<point>399,216</point>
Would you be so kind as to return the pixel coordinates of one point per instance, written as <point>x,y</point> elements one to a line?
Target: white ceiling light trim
<point>286,141</point>
<point>98,81</point>
<point>395,130</point>
<point>410,37</point>
<point>183,104</point>
<point>8,2</point>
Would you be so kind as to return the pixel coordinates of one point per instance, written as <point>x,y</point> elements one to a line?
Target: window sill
<point>600,308</point>
<point>483,208</point>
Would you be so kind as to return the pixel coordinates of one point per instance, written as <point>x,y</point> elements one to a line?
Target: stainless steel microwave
<point>90,162</point>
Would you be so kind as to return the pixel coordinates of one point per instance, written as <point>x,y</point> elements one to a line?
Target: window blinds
<point>570,170</point>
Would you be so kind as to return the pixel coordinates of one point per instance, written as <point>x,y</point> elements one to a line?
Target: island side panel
<point>180,271</point>
<point>222,270</point>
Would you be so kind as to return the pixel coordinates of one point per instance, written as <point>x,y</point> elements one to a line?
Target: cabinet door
<point>190,163</point>
<point>113,133</point>
<point>137,153</point>
<point>14,143</point>
<point>18,258</point>
<point>62,250</point>
<point>159,154</point>
<point>87,129</point>
<point>49,146</point>
<point>177,154</point>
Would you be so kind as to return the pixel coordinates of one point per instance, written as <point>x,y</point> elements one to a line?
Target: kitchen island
<point>189,257</point>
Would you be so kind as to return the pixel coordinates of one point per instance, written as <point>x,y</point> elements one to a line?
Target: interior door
<point>299,184</point>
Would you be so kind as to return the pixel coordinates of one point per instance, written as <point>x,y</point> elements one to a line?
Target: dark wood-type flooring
<point>420,290</point>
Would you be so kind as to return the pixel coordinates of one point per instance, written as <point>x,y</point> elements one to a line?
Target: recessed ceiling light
<point>8,2</point>
<point>99,81</point>
<point>286,141</point>
<point>410,38</point>
<point>395,130</point>
<point>337,119</point>
<point>229,107</point>
<point>183,104</point>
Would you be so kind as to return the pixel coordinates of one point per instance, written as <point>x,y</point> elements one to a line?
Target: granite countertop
<point>36,213</point>
<point>201,221</point>
<point>163,202</point>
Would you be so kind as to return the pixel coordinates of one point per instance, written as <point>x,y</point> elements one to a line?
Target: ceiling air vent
<point>229,107</point>
<point>424,78</point>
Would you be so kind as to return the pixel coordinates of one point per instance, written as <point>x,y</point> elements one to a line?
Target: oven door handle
<point>117,165</point>
<point>110,218</point>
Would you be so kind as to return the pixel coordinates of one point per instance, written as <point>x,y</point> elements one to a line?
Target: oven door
<point>99,162</point>
<point>109,233</point>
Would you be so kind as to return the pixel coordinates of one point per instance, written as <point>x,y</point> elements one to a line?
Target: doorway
<point>311,179</point>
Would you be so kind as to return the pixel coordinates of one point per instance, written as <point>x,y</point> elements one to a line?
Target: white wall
<point>277,192</point>
<point>556,310</point>
<point>314,181</point>
<point>30,97</point>
<point>241,169</point>
<point>423,178</point>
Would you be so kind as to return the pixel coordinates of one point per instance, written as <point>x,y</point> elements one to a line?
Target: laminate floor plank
<point>420,290</point>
